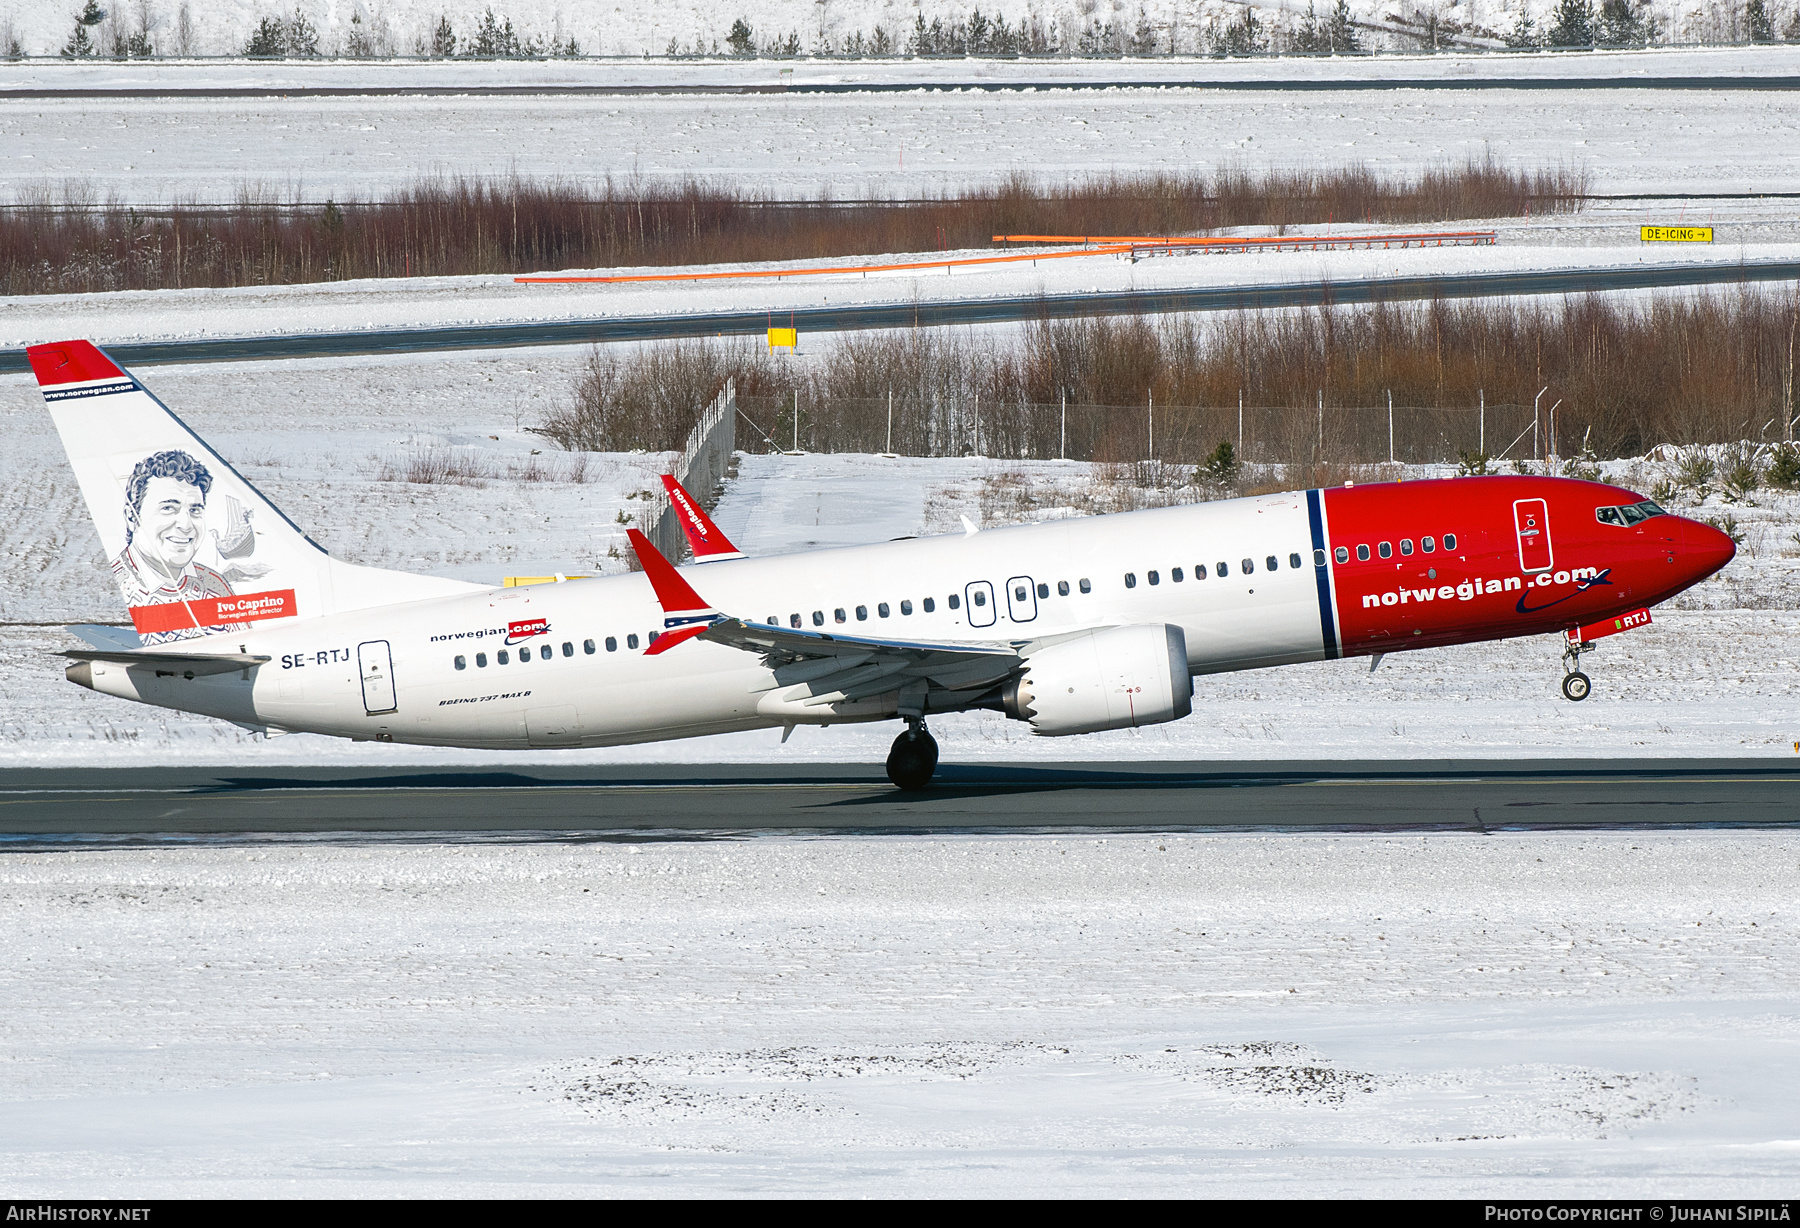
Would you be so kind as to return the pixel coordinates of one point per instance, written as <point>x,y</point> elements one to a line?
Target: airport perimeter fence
<point>1174,434</point>
<point>700,468</point>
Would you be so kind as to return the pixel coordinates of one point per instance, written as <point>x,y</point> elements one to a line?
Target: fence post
<point>1240,424</point>
<point>1390,426</point>
<point>1481,428</point>
<point>1151,450</point>
<point>890,434</point>
<point>1065,424</point>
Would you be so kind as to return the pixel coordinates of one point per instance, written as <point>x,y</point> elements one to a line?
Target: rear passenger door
<point>1021,599</point>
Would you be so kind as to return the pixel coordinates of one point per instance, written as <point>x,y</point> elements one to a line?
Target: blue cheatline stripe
<point>1327,623</point>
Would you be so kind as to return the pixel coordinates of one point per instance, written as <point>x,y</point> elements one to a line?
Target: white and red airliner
<point>1072,626</point>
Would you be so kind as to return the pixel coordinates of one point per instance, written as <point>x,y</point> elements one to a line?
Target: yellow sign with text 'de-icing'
<point>1675,234</point>
<point>790,337</point>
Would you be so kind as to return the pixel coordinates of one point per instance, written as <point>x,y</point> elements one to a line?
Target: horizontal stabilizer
<point>182,664</point>
<point>117,639</point>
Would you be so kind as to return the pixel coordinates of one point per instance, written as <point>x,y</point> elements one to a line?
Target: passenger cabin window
<point>1044,590</point>
<point>838,615</point>
<point>1406,545</point>
<point>587,646</point>
<point>631,641</point>
<point>1362,554</point>
<point>980,599</point>
<point>1155,577</point>
<point>1318,558</point>
<point>545,652</point>
<point>1087,586</point>
<point>906,607</point>
<point>462,663</point>
<point>481,660</point>
<point>1249,566</point>
<point>955,603</point>
<point>1200,571</point>
<point>612,644</point>
<point>1385,550</point>
<point>1021,592</point>
<point>1343,554</point>
<point>501,658</point>
<point>1450,539</point>
<point>862,613</point>
<point>1221,570</point>
<point>818,618</point>
<point>882,609</point>
<point>569,649</point>
<point>1426,544</point>
<point>1274,564</point>
<point>1175,574</point>
<point>1294,560</point>
<point>1130,579</point>
<point>793,620</point>
<point>1062,588</point>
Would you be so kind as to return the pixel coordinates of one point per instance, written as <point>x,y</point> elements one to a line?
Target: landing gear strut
<point>1576,686</point>
<point>914,757</point>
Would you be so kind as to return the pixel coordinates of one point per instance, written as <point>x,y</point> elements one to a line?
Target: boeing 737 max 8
<point>1072,626</point>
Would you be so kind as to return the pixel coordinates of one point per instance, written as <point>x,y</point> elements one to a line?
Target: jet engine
<point>1113,678</point>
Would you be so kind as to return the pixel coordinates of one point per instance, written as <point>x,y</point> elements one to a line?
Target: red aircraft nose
<point>1705,549</point>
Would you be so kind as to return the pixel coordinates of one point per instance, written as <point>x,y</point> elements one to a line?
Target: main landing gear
<point>1576,686</point>
<point>914,756</point>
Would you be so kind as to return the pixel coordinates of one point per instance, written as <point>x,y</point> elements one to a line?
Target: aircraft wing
<point>704,538</point>
<point>833,667</point>
<point>184,664</point>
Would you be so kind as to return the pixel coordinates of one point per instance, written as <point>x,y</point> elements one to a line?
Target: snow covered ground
<point>899,144</point>
<point>1445,1016</point>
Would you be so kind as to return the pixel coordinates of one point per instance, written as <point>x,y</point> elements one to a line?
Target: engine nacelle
<point>1114,678</point>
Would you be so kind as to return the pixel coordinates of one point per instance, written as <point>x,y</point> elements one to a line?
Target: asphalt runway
<point>1691,82</point>
<point>937,312</point>
<point>45,808</point>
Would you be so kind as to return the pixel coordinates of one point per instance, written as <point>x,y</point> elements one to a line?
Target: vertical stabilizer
<point>194,548</point>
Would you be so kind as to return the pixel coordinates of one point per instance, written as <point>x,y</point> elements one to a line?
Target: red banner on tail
<point>212,612</point>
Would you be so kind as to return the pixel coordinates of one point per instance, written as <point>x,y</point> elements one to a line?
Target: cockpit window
<point>1628,514</point>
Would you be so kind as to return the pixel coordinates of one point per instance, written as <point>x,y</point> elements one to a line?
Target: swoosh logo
<point>1581,586</point>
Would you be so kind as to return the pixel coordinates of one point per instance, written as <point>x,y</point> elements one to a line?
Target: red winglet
<point>70,362</point>
<point>675,594</point>
<point>704,538</point>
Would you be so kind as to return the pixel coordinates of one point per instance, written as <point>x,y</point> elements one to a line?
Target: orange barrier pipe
<point>1263,241</point>
<point>1108,245</point>
<point>839,268</point>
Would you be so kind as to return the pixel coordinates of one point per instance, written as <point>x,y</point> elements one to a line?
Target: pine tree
<point>1524,35</point>
<point>1341,37</point>
<point>741,40</point>
<point>80,46</point>
<point>1574,24</point>
<point>302,41</point>
<point>443,39</point>
<point>268,41</point>
<point>1308,38</point>
<point>1756,14</point>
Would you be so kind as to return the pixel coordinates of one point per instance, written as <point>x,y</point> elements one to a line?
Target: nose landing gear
<point>914,757</point>
<point>1576,686</point>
